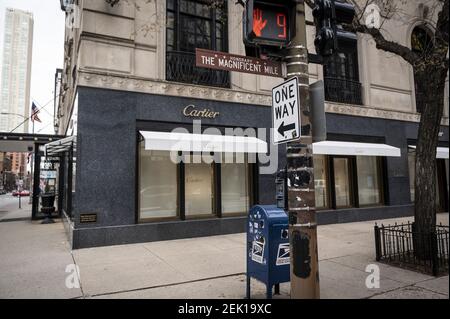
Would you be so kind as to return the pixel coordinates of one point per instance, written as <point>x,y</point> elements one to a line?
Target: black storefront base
<point>132,234</point>
<point>353,215</point>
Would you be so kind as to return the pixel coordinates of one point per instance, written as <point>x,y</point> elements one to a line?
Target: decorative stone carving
<point>93,79</point>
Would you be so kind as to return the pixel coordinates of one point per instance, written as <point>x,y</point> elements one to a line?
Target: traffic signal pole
<point>301,192</point>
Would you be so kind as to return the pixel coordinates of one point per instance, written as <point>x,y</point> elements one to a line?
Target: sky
<point>48,53</point>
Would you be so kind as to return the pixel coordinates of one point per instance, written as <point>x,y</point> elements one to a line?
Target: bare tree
<point>429,60</point>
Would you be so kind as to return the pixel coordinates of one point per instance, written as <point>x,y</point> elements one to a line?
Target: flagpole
<point>32,167</point>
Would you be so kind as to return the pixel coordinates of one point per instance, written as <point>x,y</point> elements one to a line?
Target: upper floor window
<point>421,44</point>
<point>341,75</point>
<point>195,24</point>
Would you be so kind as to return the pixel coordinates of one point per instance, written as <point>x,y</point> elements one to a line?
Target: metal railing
<point>403,246</point>
<point>180,67</point>
<point>342,91</point>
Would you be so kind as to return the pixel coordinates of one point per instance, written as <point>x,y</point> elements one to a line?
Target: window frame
<point>381,186</point>
<point>214,213</point>
<point>353,183</point>
<point>351,180</point>
<point>212,21</point>
<point>350,91</point>
<point>140,220</point>
<point>252,189</point>
<point>348,49</point>
<point>180,63</point>
<point>328,205</point>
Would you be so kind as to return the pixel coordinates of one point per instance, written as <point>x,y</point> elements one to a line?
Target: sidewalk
<point>34,259</point>
<point>10,211</point>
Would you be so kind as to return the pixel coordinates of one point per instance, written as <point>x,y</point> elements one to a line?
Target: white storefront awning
<point>57,147</point>
<point>352,148</point>
<point>441,152</point>
<point>163,141</point>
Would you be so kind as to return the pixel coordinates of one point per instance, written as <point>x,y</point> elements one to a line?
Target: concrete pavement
<point>9,208</point>
<point>33,260</point>
<point>205,268</point>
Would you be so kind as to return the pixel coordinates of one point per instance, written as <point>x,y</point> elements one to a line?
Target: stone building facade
<point>129,68</point>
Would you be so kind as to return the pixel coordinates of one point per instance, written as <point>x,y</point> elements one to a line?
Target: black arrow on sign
<point>284,128</point>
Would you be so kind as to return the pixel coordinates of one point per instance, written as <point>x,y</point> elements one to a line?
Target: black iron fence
<point>180,67</point>
<point>342,91</point>
<point>404,246</point>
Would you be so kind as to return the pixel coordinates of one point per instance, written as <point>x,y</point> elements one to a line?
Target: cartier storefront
<point>157,167</point>
<point>153,167</point>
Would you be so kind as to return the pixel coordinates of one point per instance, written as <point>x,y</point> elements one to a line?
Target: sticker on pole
<point>283,255</point>
<point>286,112</point>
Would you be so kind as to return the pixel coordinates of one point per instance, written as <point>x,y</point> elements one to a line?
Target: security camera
<point>30,148</point>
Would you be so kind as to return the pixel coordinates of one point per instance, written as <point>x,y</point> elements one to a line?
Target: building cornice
<point>90,78</point>
<point>135,84</point>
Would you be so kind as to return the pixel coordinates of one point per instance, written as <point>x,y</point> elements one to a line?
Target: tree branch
<point>442,24</point>
<point>381,42</point>
<point>389,46</point>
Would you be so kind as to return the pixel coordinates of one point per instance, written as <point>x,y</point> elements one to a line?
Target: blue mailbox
<point>268,247</point>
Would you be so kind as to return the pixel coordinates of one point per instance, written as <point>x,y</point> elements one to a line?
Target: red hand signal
<point>258,23</point>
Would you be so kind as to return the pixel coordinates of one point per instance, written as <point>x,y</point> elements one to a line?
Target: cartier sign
<point>192,111</point>
<point>239,63</point>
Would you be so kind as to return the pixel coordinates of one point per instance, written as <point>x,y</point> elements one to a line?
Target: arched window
<point>421,44</point>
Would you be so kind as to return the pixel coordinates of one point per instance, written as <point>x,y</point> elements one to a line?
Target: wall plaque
<point>88,218</point>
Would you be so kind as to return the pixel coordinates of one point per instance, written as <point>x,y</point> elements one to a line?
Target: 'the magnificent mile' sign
<point>231,62</point>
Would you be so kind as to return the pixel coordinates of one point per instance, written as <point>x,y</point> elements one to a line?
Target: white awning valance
<point>441,152</point>
<point>164,141</point>
<point>352,148</point>
<point>57,147</point>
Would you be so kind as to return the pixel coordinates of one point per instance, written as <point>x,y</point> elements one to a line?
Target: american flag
<point>34,115</point>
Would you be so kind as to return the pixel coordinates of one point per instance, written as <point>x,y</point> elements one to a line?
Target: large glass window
<point>341,76</point>
<point>198,187</point>
<point>199,190</point>
<point>158,185</point>
<point>320,181</point>
<point>342,182</point>
<point>368,180</point>
<point>235,187</point>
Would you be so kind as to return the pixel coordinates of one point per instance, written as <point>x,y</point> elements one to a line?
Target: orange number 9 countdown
<point>281,22</point>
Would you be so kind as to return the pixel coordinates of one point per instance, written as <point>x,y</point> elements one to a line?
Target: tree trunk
<point>432,82</point>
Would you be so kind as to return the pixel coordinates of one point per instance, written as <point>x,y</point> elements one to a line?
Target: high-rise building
<point>16,70</point>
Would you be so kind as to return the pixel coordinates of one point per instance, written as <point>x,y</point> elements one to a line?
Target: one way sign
<point>285,112</point>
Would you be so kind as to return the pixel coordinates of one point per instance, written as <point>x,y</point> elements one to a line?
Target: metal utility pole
<point>301,192</point>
